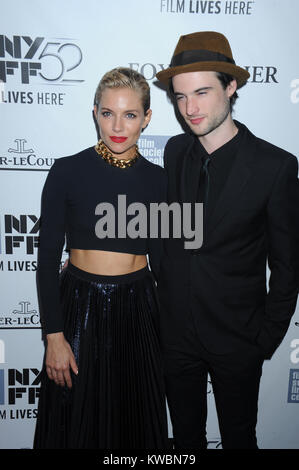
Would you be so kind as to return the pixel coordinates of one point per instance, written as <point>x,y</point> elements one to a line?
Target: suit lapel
<point>235,184</point>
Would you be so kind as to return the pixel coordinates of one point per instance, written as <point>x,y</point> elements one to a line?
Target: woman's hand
<point>59,359</point>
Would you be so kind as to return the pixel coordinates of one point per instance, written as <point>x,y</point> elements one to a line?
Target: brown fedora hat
<point>203,51</point>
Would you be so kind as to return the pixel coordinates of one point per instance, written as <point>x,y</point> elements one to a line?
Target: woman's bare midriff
<point>107,263</point>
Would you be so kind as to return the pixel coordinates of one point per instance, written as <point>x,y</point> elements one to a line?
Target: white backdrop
<point>52,55</point>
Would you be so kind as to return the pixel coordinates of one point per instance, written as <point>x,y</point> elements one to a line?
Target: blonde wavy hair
<point>124,77</point>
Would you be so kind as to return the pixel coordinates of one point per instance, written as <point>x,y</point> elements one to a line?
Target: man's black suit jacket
<point>222,288</point>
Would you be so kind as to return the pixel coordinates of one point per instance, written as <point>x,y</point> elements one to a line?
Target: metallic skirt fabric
<point>117,400</point>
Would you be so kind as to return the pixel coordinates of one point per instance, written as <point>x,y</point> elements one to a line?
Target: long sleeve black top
<point>73,189</point>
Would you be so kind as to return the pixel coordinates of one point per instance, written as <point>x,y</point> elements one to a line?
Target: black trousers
<point>235,380</point>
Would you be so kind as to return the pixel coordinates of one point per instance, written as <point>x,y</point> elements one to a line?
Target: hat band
<point>198,55</point>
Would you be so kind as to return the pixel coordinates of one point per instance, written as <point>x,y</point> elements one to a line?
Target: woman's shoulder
<point>65,168</point>
<point>73,160</point>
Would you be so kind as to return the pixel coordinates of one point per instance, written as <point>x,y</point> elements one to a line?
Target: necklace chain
<point>103,151</point>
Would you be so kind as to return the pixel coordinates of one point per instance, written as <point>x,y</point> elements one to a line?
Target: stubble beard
<point>215,122</point>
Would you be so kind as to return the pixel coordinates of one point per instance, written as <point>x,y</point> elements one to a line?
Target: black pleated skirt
<point>117,400</point>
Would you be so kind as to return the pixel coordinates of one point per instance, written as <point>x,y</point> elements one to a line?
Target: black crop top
<point>73,189</point>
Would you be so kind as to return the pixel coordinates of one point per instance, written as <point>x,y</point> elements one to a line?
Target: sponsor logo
<point>262,73</point>
<point>24,316</point>
<point>19,391</point>
<point>20,155</point>
<point>152,148</point>
<point>26,61</point>
<point>293,392</point>
<point>207,7</point>
<point>18,238</point>
<point>19,388</point>
<point>22,97</point>
<point>148,69</point>
<point>49,60</point>
<point>20,234</point>
<point>258,73</point>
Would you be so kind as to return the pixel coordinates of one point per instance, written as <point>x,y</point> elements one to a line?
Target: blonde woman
<point>103,383</point>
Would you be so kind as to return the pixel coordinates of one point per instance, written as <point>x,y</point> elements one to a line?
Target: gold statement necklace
<point>103,151</point>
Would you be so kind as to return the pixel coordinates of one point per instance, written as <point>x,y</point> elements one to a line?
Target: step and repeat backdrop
<point>52,56</point>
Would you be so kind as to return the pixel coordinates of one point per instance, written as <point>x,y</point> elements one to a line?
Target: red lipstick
<point>118,139</point>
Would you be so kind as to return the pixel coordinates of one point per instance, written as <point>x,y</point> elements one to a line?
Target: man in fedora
<point>218,317</point>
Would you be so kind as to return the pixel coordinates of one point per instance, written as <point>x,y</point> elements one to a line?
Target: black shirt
<point>73,189</point>
<point>221,162</point>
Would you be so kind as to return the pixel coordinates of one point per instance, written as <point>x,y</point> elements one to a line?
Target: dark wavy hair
<point>225,80</point>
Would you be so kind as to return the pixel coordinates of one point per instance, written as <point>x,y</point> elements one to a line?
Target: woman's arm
<point>59,356</point>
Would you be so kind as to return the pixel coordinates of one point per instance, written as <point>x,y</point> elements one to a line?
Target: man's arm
<point>283,259</point>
